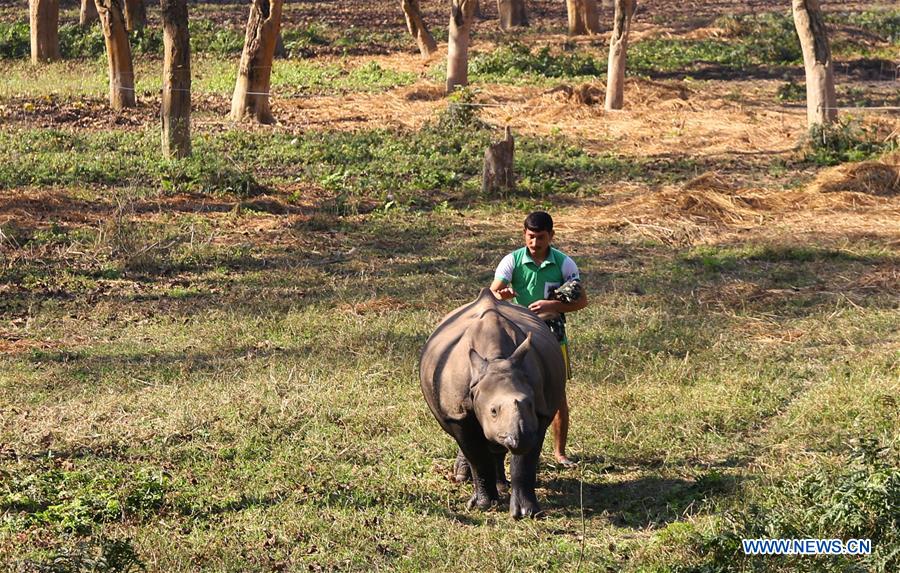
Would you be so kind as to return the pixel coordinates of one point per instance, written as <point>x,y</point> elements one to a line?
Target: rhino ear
<point>520,352</point>
<point>478,366</point>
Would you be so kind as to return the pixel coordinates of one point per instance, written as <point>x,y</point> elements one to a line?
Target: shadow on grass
<point>639,503</point>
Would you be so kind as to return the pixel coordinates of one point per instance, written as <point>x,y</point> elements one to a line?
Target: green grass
<point>356,165</point>
<point>210,364</point>
<point>263,415</point>
<point>75,79</point>
<point>208,37</point>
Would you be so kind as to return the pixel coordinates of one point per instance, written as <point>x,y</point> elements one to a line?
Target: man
<point>529,276</point>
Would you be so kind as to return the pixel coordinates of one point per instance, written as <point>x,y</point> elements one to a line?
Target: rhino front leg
<point>523,471</point>
<point>482,465</point>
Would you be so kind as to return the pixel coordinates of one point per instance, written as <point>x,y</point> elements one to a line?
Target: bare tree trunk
<point>176,95</point>
<point>280,50</point>
<point>512,13</point>
<point>251,93</point>
<point>135,15</point>
<point>498,174</point>
<point>44,16</point>
<point>416,26</point>
<point>583,17</point>
<point>88,13</point>
<point>618,48</point>
<point>462,13</point>
<point>118,53</point>
<point>821,101</point>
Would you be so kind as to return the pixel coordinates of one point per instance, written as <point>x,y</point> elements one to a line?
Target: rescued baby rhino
<point>493,375</point>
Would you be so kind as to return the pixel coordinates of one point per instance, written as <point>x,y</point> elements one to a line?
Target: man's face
<point>538,242</point>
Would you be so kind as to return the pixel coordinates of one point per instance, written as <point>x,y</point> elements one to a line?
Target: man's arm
<point>540,306</point>
<point>502,277</point>
<point>501,289</point>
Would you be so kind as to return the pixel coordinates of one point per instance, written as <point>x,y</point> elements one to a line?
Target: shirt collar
<point>547,261</point>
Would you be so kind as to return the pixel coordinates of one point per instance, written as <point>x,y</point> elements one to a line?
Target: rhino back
<point>444,363</point>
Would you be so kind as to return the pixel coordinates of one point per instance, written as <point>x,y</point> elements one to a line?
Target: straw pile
<point>881,178</point>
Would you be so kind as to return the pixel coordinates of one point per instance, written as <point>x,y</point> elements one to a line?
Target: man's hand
<point>541,306</point>
<point>505,293</point>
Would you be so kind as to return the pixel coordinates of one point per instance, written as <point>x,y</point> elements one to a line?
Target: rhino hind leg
<point>523,471</point>
<point>502,482</point>
<point>461,471</point>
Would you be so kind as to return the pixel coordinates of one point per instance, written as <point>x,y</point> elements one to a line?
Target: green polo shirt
<point>532,281</point>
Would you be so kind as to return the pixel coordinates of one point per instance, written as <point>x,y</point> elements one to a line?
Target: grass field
<point>211,364</point>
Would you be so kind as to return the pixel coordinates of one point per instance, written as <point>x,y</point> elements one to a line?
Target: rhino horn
<point>519,354</point>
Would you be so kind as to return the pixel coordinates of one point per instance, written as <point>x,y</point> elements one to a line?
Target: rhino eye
<point>494,411</point>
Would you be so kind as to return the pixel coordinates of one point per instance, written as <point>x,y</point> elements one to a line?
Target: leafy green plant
<point>462,112</point>
<point>791,91</point>
<point>845,140</point>
<point>516,60</point>
<point>77,501</point>
<point>209,37</point>
<point>885,23</point>
<point>15,40</point>
<point>95,555</point>
<point>858,501</point>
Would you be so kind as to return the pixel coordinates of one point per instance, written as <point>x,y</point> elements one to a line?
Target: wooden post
<point>821,101</point>
<point>118,54</point>
<point>251,92</point>
<point>44,20</point>
<point>498,174</point>
<point>618,48</point>
<point>462,12</point>
<point>416,26</point>
<point>176,95</point>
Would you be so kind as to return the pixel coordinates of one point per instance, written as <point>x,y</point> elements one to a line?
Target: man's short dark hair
<point>539,221</point>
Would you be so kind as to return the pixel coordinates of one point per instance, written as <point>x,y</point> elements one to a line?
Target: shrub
<point>15,41</point>
<point>845,140</point>
<point>858,501</point>
<point>791,91</point>
<point>517,60</point>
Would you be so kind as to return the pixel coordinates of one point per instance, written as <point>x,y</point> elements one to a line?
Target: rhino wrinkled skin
<point>493,375</point>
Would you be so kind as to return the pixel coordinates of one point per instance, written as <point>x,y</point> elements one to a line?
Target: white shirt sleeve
<point>569,270</point>
<point>505,269</point>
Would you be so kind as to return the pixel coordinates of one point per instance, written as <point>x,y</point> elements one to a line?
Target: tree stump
<point>512,14</point>
<point>280,50</point>
<point>584,19</point>
<point>498,166</point>
<point>135,15</point>
<point>88,13</point>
